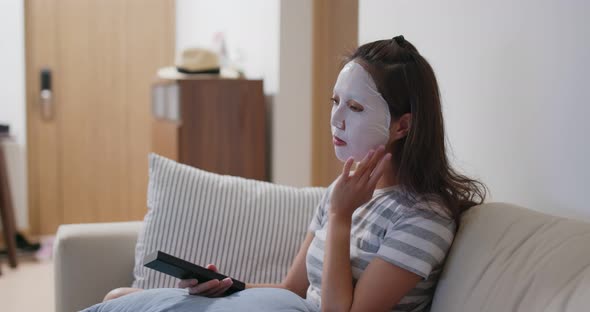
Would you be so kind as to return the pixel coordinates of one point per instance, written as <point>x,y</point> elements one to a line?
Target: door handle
<point>46,95</point>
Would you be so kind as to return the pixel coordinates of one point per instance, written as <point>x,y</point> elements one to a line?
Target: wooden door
<point>88,161</point>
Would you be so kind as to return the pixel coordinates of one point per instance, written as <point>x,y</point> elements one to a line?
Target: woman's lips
<point>337,141</point>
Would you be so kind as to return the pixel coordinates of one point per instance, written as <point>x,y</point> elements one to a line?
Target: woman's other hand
<point>212,288</point>
<point>351,191</point>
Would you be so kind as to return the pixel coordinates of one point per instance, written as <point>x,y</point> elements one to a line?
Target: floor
<point>29,287</point>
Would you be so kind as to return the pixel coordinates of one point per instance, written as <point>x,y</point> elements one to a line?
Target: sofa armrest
<point>90,260</point>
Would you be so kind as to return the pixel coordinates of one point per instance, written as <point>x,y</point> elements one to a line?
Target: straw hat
<point>192,63</point>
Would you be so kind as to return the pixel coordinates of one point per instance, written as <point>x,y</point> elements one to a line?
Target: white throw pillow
<point>250,229</point>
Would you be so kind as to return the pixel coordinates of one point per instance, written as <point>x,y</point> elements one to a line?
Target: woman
<point>381,233</point>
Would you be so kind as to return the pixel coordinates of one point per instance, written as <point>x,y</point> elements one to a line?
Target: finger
<point>223,285</point>
<point>220,293</point>
<point>187,283</point>
<point>203,287</point>
<point>378,172</point>
<point>211,291</point>
<point>227,284</point>
<point>212,267</point>
<point>373,162</point>
<point>346,168</point>
<point>361,167</point>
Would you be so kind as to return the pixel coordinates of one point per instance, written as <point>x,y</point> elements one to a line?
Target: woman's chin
<point>340,155</point>
<point>343,155</point>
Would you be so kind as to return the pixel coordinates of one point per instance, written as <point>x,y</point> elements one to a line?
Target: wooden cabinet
<point>214,124</point>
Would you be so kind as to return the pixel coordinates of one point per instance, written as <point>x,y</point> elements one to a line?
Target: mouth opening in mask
<point>338,141</point>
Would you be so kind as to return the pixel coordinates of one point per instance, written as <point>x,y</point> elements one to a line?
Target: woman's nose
<point>338,117</point>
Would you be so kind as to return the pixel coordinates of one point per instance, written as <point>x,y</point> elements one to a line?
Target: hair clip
<point>399,39</point>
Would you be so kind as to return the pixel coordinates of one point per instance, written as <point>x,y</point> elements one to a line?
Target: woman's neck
<point>388,178</point>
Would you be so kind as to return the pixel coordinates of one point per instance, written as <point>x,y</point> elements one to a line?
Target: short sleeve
<point>418,243</point>
<point>317,221</point>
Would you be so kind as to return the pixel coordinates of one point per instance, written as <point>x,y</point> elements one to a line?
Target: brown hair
<point>408,84</point>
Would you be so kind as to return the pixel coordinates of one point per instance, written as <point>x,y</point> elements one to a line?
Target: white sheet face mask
<point>361,131</point>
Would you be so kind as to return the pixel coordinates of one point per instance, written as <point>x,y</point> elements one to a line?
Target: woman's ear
<point>401,127</point>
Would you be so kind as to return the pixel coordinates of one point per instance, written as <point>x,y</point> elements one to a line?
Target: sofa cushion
<point>506,258</point>
<point>250,229</point>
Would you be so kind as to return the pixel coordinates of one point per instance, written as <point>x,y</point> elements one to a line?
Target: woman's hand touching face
<point>351,191</point>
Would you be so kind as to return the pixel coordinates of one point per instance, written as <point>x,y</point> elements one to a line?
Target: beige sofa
<point>504,258</point>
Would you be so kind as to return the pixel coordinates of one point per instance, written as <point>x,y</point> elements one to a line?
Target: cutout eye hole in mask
<point>353,105</point>
<point>357,132</point>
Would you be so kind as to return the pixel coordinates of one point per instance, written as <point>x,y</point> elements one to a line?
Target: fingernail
<point>194,282</point>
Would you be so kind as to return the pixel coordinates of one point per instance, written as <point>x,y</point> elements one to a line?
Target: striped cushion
<point>250,229</point>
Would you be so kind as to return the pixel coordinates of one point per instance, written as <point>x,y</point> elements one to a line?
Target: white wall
<point>251,30</point>
<point>12,100</point>
<point>514,82</point>
<point>291,148</point>
<point>12,63</point>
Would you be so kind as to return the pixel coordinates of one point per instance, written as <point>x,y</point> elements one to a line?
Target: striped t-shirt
<point>403,230</point>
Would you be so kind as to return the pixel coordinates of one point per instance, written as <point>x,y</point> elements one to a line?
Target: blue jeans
<point>178,300</point>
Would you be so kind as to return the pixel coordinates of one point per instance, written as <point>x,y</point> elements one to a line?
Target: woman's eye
<point>334,102</point>
<point>356,109</point>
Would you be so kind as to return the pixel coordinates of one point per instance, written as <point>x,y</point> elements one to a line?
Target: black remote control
<point>168,264</point>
